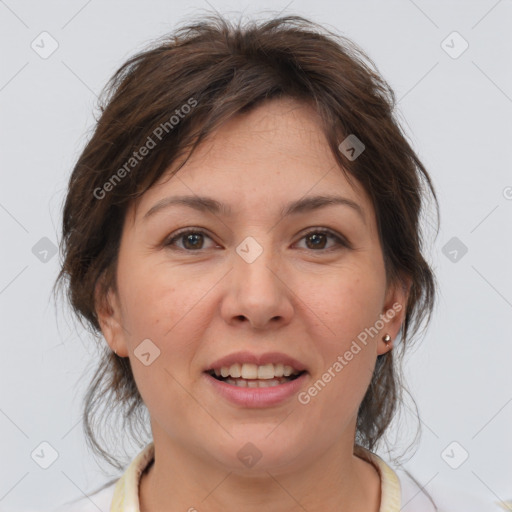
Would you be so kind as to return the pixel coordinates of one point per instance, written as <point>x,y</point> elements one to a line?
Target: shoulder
<point>400,490</point>
<point>440,497</point>
<point>99,500</point>
<point>413,496</point>
<point>122,493</point>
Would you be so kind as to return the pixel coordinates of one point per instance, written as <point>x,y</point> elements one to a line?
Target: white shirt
<point>399,492</point>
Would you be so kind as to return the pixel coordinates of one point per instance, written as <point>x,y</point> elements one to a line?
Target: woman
<point>243,230</point>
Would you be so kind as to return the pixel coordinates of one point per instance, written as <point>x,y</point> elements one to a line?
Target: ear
<point>109,316</point>
<point>393,312</point>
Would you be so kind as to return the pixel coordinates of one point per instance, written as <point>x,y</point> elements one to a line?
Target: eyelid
<point>341,241</point>
<point>176,235</point>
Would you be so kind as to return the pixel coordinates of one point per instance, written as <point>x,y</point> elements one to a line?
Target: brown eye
<point>317,240</point>
<point>192,240</point>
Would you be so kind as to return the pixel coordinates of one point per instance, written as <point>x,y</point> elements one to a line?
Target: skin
<point>296,298</point>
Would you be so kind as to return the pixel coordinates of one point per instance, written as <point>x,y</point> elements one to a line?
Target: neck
<point>337,480</point>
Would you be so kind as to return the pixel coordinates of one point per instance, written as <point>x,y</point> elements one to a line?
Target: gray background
<point>458,115</point>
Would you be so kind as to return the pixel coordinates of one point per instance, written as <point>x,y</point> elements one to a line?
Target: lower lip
<point>257,397</point>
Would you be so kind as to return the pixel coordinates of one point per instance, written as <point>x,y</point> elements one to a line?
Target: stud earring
<point>387,339</point>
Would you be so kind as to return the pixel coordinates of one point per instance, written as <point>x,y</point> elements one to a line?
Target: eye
<point>192,239</point>
<point>316,240</point>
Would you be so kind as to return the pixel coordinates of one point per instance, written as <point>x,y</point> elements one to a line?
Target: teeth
<point>253,371</point>
<point>249,371</point>
<point>266,371</point>
<point>288,370</point>
<point>255,383</point>
<point>235,370</point>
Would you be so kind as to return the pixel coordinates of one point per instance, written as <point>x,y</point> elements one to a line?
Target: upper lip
<point>258,359</point>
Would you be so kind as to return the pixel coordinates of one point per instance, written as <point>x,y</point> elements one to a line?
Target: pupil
<point>317,237</point>
<point>191,237</point>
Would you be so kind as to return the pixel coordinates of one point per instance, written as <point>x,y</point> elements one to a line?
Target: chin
<point>252,451</point>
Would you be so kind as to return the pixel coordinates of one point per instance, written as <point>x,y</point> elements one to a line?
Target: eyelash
<point>340,241</point>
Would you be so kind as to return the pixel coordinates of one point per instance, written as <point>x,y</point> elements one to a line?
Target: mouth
<point>250,380</point>
<point>249,375</point>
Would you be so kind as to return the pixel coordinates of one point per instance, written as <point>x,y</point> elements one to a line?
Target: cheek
<point>158,299</point>
<point>165,308</point>
<point>347,302</point>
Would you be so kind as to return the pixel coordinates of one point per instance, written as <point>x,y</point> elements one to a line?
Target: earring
<point>387,339</point>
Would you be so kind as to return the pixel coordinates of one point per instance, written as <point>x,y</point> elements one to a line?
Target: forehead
<point>259,161</point>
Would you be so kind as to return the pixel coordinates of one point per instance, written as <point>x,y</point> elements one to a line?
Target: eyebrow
<point>208,204</point>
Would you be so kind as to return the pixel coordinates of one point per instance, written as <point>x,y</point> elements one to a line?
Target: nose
<point>257,293</point>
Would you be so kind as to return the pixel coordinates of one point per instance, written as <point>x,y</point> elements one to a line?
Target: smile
<point>251,380</point>
<point>247,375</point>
<point>256,393</point>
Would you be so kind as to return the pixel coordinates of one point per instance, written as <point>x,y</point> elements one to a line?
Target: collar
<point>126,490</point>
<point>390,494</point>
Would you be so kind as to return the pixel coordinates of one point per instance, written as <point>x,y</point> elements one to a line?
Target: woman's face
<point>255,279</point>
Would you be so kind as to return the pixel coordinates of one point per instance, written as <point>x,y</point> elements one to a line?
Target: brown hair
<point>221,68</point>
